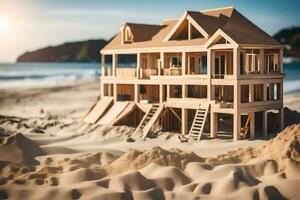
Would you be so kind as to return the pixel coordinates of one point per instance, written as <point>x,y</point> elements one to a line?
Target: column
<point>236,62</point>
<point>251,93</point>
<point>281,60</point>
<point>115,92</point>
<point>168,92</point>
<point>213,124</point>
<point>236,126</point>
<point>184,91</point>
<point>252,126</point>
<point>281,112</point>
<point>136,93</point>
<point>212,62</point>
<point>236,115</point>
<point>183,63</point>
<point>162,60</point>
<point>265,123</point>
<point>209,86</point>
<point>138,64</point>
<point>261,61</point>
<point>102,65</point>
<point>184,121</point>
<point>110,90</point>
<point>265,92</point>
<point>101,90</point>
<point>161,94</point>
<point>114,64</point>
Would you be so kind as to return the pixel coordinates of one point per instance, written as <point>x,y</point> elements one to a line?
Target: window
<point>245,93</point>
<point>271,62</point>
<point>175,91</point>
<point>258,92</point>
<point>175,62</point>
<point>197,91</point>
<point>273,90</point>
<point>203,64</point>
<point>251,63</point>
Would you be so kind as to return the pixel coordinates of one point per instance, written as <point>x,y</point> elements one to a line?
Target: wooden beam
<point>183,63</point>
<point>265,123</point>
<point>102,65</point>
<point>281,60</point>
<point>236,62</point>
<point>175,114</point>
<point>114,64</point>
<point>115,92</point>
<point>213,124</point>
<point>161,93</point>
<point>183,121</point>
<point>252,125</point>
<point>281,112</point>
<point>138,64</point>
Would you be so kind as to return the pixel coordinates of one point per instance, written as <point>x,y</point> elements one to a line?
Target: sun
<point>4,23</point>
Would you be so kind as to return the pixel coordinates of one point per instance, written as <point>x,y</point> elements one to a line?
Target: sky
<point>26,25</point>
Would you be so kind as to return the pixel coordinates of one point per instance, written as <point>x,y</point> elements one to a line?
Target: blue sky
<point>32,24</point>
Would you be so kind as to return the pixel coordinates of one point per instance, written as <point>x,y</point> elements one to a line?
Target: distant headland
<point>88,51</point>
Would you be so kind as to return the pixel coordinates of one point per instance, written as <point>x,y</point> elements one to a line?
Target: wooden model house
<point>207,74</point>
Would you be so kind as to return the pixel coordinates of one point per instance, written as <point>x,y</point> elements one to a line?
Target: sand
<point>46,152</point>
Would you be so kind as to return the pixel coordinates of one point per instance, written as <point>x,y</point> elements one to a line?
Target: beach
<point>47,152</point>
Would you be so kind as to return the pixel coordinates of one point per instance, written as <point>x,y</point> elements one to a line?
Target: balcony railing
<point>146,73</point>
<point>126,72</point>
<point>218,76</point>
<point>173,71</point>
<point>106,71</point>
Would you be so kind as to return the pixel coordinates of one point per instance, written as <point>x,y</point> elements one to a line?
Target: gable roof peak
<point>217,9</point>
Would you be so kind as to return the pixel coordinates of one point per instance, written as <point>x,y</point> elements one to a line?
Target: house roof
<point>229,20</point>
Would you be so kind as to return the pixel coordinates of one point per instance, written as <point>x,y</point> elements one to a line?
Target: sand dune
<point>271,171</point>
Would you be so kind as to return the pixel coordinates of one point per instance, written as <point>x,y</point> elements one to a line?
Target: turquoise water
<point>41,74</point>
<point>292,79</point>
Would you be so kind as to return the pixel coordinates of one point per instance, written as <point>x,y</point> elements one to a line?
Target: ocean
<point>48,74</point>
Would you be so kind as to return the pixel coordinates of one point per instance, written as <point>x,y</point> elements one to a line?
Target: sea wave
<point>290,86</point>
<point>37,75</point>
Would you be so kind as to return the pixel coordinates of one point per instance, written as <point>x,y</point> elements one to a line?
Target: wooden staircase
<point>246,128</point>
<point>199,122</point>
<point>149,119</point>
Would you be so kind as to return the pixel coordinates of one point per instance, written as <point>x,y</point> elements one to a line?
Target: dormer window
<point>127,34</point>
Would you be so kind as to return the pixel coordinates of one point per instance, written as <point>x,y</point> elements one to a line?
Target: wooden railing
<point>146,73</point>
<point>172,71</point>
<point>106,71</point>
<point>126,72</point>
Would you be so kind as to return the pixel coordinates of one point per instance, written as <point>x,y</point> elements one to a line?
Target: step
<point>197,125</point>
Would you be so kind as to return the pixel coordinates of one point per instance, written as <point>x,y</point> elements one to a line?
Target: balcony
<point>126,72</point>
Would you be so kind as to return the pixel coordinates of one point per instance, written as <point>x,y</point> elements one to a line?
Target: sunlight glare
<point>3,25</point>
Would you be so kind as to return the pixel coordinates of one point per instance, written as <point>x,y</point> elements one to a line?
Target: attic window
<point>222,41</point>
<point>128,37</point>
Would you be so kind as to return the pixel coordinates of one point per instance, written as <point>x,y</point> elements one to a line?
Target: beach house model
<point>209,73</point>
